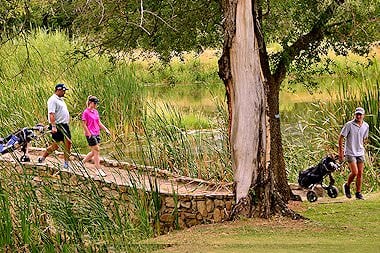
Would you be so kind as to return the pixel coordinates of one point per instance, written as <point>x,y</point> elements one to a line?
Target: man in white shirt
<point>58,117</point>
<point>355,132</point>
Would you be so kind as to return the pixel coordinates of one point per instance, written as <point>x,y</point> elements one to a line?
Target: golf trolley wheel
<point>311,196</point>
<point>25,158</point>
<point>332,191</point>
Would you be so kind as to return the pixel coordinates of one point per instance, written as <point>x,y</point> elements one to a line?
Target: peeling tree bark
<point>240,70</point>
<point>249,129</point>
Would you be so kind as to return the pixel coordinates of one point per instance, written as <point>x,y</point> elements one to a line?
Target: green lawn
<point>334,225</point>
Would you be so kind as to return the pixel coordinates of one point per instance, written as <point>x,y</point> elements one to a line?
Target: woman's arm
<point>104,127</point>
<point>86,131</point>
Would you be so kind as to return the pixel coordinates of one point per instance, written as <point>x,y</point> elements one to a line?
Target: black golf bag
<point>314,176</point>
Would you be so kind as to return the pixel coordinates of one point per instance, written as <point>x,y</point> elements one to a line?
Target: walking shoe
<point>346,190</point>
<point>358,195</point>
<point>101,173</point>
<point>41,159</point>
<point>66,165</point>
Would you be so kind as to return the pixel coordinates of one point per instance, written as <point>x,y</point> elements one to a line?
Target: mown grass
<point>333,226</point>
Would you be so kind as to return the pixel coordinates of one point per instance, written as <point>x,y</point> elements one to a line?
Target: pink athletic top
<point>91,116</point>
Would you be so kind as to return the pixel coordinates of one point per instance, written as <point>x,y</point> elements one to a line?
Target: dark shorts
<point>356,159</point>
<point>93,140</point>
<point>63,131</point>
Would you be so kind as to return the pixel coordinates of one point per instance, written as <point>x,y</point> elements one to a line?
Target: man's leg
<point>359,177</point>
<point>53,147</point>
<point>354,172</point>
<point>67,149</point>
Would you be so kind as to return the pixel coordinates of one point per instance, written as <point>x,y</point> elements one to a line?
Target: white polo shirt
<point>58,106</point>
<point>355,135</point>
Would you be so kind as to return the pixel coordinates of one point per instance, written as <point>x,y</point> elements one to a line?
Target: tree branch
<point>315,35</point>
<point>264,59</point>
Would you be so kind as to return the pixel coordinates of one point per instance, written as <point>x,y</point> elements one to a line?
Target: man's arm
<point>52,122</point>
<point>340,148</point>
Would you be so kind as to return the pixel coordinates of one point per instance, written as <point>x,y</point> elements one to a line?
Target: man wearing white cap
<point>58,117</point>
<point>355,132</point>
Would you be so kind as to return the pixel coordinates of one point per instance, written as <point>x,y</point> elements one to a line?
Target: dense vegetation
<point>152,110</point>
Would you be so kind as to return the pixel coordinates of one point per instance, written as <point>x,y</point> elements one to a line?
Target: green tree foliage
<point>306,30</point>
<point>165,27</point>
<point>12,15</point>
<point>18,17</point>
<point>171,27</point>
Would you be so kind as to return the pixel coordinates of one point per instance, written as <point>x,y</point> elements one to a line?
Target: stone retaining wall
<point>175,211</point>
<point>193,210</point>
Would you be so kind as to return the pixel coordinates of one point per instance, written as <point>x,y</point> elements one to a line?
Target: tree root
<point>295,197</point>
<point>247,208</point>
<point>242,209</point>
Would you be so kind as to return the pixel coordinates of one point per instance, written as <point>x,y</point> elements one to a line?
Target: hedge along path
<point>125,174</point>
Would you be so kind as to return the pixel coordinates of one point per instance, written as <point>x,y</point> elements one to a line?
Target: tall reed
<point>59,217</point>
<point>163,141</point>
<point>30,69</point>
<point>313,132</point>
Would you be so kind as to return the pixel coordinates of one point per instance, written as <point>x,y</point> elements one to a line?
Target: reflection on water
<point>199,97</point>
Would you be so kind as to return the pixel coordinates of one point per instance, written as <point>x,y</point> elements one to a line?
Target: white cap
<point>359,110</point>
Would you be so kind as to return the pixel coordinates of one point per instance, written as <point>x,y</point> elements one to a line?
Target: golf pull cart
<point>20,140</point>
<point>314,176</point>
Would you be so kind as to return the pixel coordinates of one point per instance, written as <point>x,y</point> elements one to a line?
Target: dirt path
<point>125,174</point>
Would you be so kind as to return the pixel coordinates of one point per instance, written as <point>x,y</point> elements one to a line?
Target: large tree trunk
<point>241,72</point>
<point>277,155</point>
<point>272,84</point>
<point>240,69</point>
<point>314,36</point>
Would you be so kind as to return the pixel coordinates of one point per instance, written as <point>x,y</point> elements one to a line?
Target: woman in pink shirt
<point>92,126</point>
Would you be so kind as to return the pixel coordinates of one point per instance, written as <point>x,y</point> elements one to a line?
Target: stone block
<point>74,180</point>
<point>228,205</point>
<point>169,202</point>
<point>184,198</point>
<point>194,205</point>
<point>167,218</point>
<point>209,205</point>
<point>113,194</point>
<point>192,222</point>
<point>190,215</point>
<point>217,215</point>
<point>219,203</point>
<point>182,223</point>
<point>202,209</point>
<point>185,204</point>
